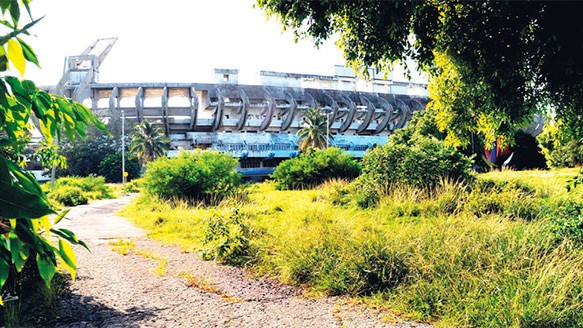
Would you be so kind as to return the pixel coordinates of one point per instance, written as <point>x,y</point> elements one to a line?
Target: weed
<point>206,285</point>
<point>198,282</point>
<point>122,247</point>
<point>227,239</point>
<point>160,270</point>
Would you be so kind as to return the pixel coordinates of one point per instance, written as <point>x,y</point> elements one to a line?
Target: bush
<point>569,222</point>
<point>205,176</point>
<point>133,186</point>
<point>110,167</point>
<point>560,147</point>
<point>314,167</point>
<point>72,191</point>
<point>69,196</point>
<point>227,240</point>
<point>423,162</point>
<point>92,187</point>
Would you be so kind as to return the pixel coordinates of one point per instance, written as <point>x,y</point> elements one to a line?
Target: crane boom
<point>82,70</point>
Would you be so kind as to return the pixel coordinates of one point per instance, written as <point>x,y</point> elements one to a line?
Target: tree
<point>493,64</point>
<point>314,133</point>
<point>148,142</point>
<point>84,157</point>
<point>110,168</point>
<point>24,222</point>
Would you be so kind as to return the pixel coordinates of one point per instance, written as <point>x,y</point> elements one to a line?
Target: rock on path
<point>114,290</point>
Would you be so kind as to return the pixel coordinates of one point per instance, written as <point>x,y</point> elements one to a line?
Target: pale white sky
<point>171,40</point>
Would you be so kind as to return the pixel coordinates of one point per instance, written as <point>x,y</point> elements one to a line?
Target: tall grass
<point>486,255</point>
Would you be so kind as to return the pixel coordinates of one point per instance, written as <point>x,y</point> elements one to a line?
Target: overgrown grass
<point>486,255</point>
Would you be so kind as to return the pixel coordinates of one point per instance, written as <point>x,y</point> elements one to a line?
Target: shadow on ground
<point>84,311</point>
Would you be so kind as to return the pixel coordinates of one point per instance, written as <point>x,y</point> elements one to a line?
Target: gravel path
<point>115,290</point>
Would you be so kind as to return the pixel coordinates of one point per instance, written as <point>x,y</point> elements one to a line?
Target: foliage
<point>26,228</point>
<point>425,254</point>
<point>419,162</point>
<point>227,240</point>
<point>37,303</point>
<point>69,196</point>
<point>569,223</point>
<point>560,146</point>
<point>110,167</point>
<point>134,186</point>
<point>314,133</point>
<point>488,79</point>
<point>148,142</point>
<point>93,187</point>
<point>73,191</point>
<point>575,181</point>
<point>204,176</point>
<point>314,167</point>
<point>84,156</point>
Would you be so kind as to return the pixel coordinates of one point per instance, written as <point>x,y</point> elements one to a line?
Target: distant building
<point>255,123</point>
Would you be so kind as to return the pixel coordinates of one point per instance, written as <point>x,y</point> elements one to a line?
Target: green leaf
<point>15,11</point>
<point>26,180</point>
<point>11,143</point>
<point>16,56</point>
<point>68,255</point>
<point>70,237</point>
<point>14,33</point>
<point>4,271</point>
<point>46,268</point>
<point>18,251</point>
<point>4,5</point>
<point>19,90</point>
<point>28,52</point>
<point>60,216</point>
<point>19,201</point>
<point>27,8</point>
<point>7,24</point>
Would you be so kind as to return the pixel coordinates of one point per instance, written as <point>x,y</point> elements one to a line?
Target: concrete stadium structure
<point>256,123</point>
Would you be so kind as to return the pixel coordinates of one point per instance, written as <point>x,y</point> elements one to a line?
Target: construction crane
<point>82,70</point>
<point>79,72</point>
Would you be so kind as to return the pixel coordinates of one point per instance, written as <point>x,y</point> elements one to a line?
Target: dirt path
<point>158,286</point>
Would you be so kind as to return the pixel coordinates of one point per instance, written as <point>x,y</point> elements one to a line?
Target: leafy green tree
<point>24,222</point>
<point>84,157</point>
<point>110,167</point>
<point>313,133</point>
<point>493,64</point>
<point>148,142</point>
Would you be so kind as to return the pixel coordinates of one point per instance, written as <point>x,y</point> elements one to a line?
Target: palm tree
<point>148,142</point>
<point>314,133</point>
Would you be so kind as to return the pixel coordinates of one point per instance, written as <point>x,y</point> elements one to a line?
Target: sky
<point>171,40</point>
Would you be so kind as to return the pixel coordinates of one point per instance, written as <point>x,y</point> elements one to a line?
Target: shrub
<point>227,240</point>
<point>92,187</point>
<point>133,186</point>
<point>560,147</point>
<point>203,176</point>
<point>423,162</point>
<point>110,167</point>
<point>69,196</point>
<point>569,222</point>
<point>314,167</point>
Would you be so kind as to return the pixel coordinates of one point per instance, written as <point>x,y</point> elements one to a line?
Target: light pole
<point>327,129</point>
<point>123,149</point>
